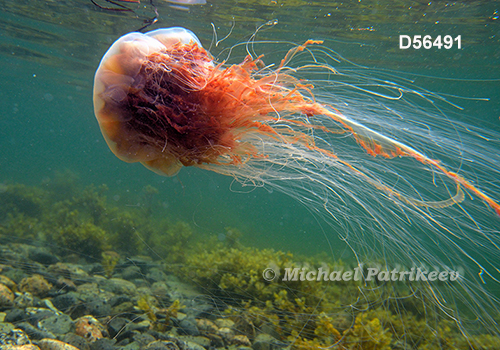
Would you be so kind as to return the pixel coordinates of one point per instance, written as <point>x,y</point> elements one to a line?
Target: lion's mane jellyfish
<point>384,179</point>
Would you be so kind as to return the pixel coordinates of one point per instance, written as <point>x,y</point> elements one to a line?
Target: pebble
<point>36,285</point>
<point>21,347</point>
<point>224,322</point>
<point>226,334</point>
<point>8,282</point>
<point>6,296</point>
<point>118,286</point>
<point>161,345</point>
<point>52,344</point>
<point>131,272</point>
<point>57,324</point>
<point>241,340</point>
<point>194,346</point>
<point>266,342</point>
<point>36,314</point>
<point>206,326</point>
<point>43,256</point>
<point>98,307</point>
<point>77,341</point>
<point>33,332</point>
<point>6,328</point>
<point>15,274</point>
<point>188,326</point>
<point>116,326</point>
<point>103,344</point>
<point>89,328</point>
<point>156,275</point>
<point>15,315</point>
<point>65,302</point>
<point>13,337</point>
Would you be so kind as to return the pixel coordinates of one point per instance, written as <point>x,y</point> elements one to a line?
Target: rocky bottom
<point>47,304</point>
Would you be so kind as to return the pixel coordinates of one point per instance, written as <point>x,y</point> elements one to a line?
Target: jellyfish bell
<point>126,69</point>
<point>174,35</point>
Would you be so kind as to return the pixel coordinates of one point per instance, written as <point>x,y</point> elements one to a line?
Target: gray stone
<point>116,326</point>
<point>131,272</point>
<point>194,346</point>
<point>162,345</point>
<point>266,342</point>
<point>143,338</point>
<point>188,326</point>
<point>56,324</point>
<point>118,286</point>
<point>98,307</point>
<point>77,341</point>
<point>6,327</point>
<point>200,340</point>
<point>15,315</point>
<point>103,344</point>
<point>132,346</point>
<point>13,337</point>
<point>34,333</point>
<point>65,302</point>
<point>43,256</point>
<point>139,327</point>
<point>156,275</point>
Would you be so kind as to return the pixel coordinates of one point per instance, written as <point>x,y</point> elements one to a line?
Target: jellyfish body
<point>161,100</point>
<point>134,113</point>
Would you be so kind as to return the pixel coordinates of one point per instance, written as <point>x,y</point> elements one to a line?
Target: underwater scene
<point>249,175</point>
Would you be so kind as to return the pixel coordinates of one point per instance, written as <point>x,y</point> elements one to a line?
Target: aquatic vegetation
<point>72,230</point>
<point>125,230</point>
<point>62,185</point>
<point>149,194</point>
<point>235,276</point>
<point>19,198</point>
<point>232,237</point>
<point>366,334</point>
<point>232,270</point>
<point>109,261</point>
<point>149,305</point>
<point>170,241</point>
<point>20,225</point>
<point>75,220</point>
<point>310,315</point>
